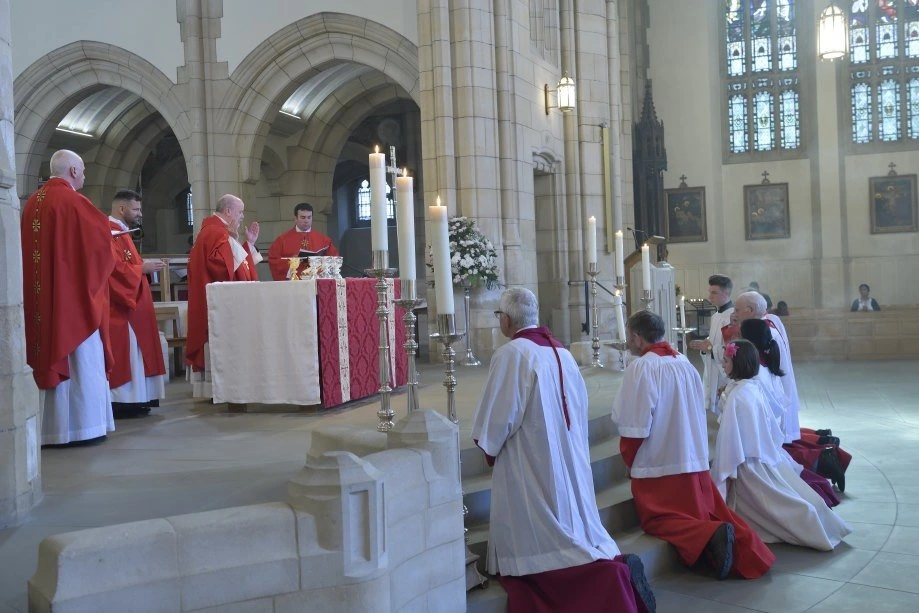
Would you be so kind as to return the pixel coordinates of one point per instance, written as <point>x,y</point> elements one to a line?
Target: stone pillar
<point>20,456</point>
<point>212,175</point>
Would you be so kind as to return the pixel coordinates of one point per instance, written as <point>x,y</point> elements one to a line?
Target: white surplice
<point>756,479</point>
<point>660,400</point>
<point>79,408</point>
<point>791,425</point>
<point>543,508</point>
<point>141,388</point>
<point>713,377</point>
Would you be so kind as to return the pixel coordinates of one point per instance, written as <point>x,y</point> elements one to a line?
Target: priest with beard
<point>546,541</point>
<point>138,370</point>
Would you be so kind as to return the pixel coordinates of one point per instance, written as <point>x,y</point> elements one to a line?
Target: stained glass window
<point>884,69</point>
<point>761,60</point>
<point>363,202</point>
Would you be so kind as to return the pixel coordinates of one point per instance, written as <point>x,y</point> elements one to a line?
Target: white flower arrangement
<point>472,258</point>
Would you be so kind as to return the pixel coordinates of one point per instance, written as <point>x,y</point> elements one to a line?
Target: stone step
<point>657,556</point>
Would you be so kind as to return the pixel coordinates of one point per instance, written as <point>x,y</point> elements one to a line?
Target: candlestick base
<point>447,335</point>
<point>470,359</point>
<point>409,302</point>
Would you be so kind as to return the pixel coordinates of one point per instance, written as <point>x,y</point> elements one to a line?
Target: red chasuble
<point>291,243</point>
<point>210,261</point>
<point>67,259</point>
<point>131,303</point>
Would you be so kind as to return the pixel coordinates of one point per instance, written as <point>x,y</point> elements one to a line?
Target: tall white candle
<point>682,311</point>
<point>620,255</point>
<point>646,267</point>
<point>440,245</point>
<point>592,240</point>
<point>620,318</point>
<point>405,225</point>
<point>379,232</point>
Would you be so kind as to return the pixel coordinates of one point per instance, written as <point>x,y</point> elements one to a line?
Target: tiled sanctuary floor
<point>191,457</point>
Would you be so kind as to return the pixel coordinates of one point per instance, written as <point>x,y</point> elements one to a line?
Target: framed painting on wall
<point>892,202</point>
<point>685,217</point>
<point>766,211</point>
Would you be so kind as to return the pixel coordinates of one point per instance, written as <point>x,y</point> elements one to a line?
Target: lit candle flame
<point>376,149</point>
<point>438,201</point>
<point>405,172</point>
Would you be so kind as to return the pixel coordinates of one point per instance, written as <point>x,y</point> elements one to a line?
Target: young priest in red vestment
<point>299,241</point>
<point>137,374</point>
<point>545,538</point>
<point>217,255</point>
<point>660,412</point>
<point>67,260</point>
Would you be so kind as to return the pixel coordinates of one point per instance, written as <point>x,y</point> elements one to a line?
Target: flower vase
<point>470,359</point>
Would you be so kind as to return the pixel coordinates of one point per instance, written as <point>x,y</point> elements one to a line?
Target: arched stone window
<point>882,89</point>
<point>762,81</point>
<point>362,204</point>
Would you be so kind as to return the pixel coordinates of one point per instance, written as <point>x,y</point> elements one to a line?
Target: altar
<point>309,342</point>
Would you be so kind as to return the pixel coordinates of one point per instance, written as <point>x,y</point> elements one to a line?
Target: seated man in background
<point>300,241</point>
<point>545,536</point>
<point>865,302</point>
<point>660,412</point>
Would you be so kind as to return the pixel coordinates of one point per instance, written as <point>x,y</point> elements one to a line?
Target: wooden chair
<point>176,342</point>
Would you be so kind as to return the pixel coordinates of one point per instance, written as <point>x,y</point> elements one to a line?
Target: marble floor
<point>191,457</point>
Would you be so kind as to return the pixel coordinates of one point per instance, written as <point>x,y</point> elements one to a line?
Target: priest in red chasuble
<point>660,413</point>
<point>67,260</point>
<point>217,255</point>
<point>300,241</point>
<point>137,374</point>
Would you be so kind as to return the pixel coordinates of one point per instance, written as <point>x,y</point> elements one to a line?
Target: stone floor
<point>191,457</point>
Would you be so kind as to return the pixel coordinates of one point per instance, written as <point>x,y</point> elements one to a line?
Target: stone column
<point>20,456</point>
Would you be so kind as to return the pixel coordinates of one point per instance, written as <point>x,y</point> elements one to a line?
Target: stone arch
<point>46,90</point>
<point>290,56</point>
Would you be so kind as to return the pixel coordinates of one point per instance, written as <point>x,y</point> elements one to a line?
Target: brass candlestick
<point>382,271</point>
<point>447,335</point>
<point>592,271</point>
<point>409,301</point>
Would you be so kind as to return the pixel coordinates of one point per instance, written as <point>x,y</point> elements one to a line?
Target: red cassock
<point>210,261</point>
<point>131,304</point>
<point>67,260</point>
<point>686,509</point>
<point>291,243</point>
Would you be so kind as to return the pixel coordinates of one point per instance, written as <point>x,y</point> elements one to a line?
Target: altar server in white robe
<point>752,305</point>
<point>751,470</point>
<point>545,535</point>
<point>712,348</point>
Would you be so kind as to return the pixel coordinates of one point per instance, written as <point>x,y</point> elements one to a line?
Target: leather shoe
<point>828,466</point>
<point>826,432</point>
<point>720,550</point>
<point>639,581</point>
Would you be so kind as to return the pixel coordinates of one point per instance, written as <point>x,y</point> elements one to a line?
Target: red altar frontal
<point>301,342</point>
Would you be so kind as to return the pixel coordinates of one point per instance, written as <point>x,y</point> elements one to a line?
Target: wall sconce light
<point>832,36</point>
<point>565,94</point>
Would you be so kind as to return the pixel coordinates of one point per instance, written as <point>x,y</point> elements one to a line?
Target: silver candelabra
<point>470,359</point>
<point>447,335</point>
<point>592,271</point>
<point>646,299</point>
<point>409,301</point>
<point>381,271</point>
